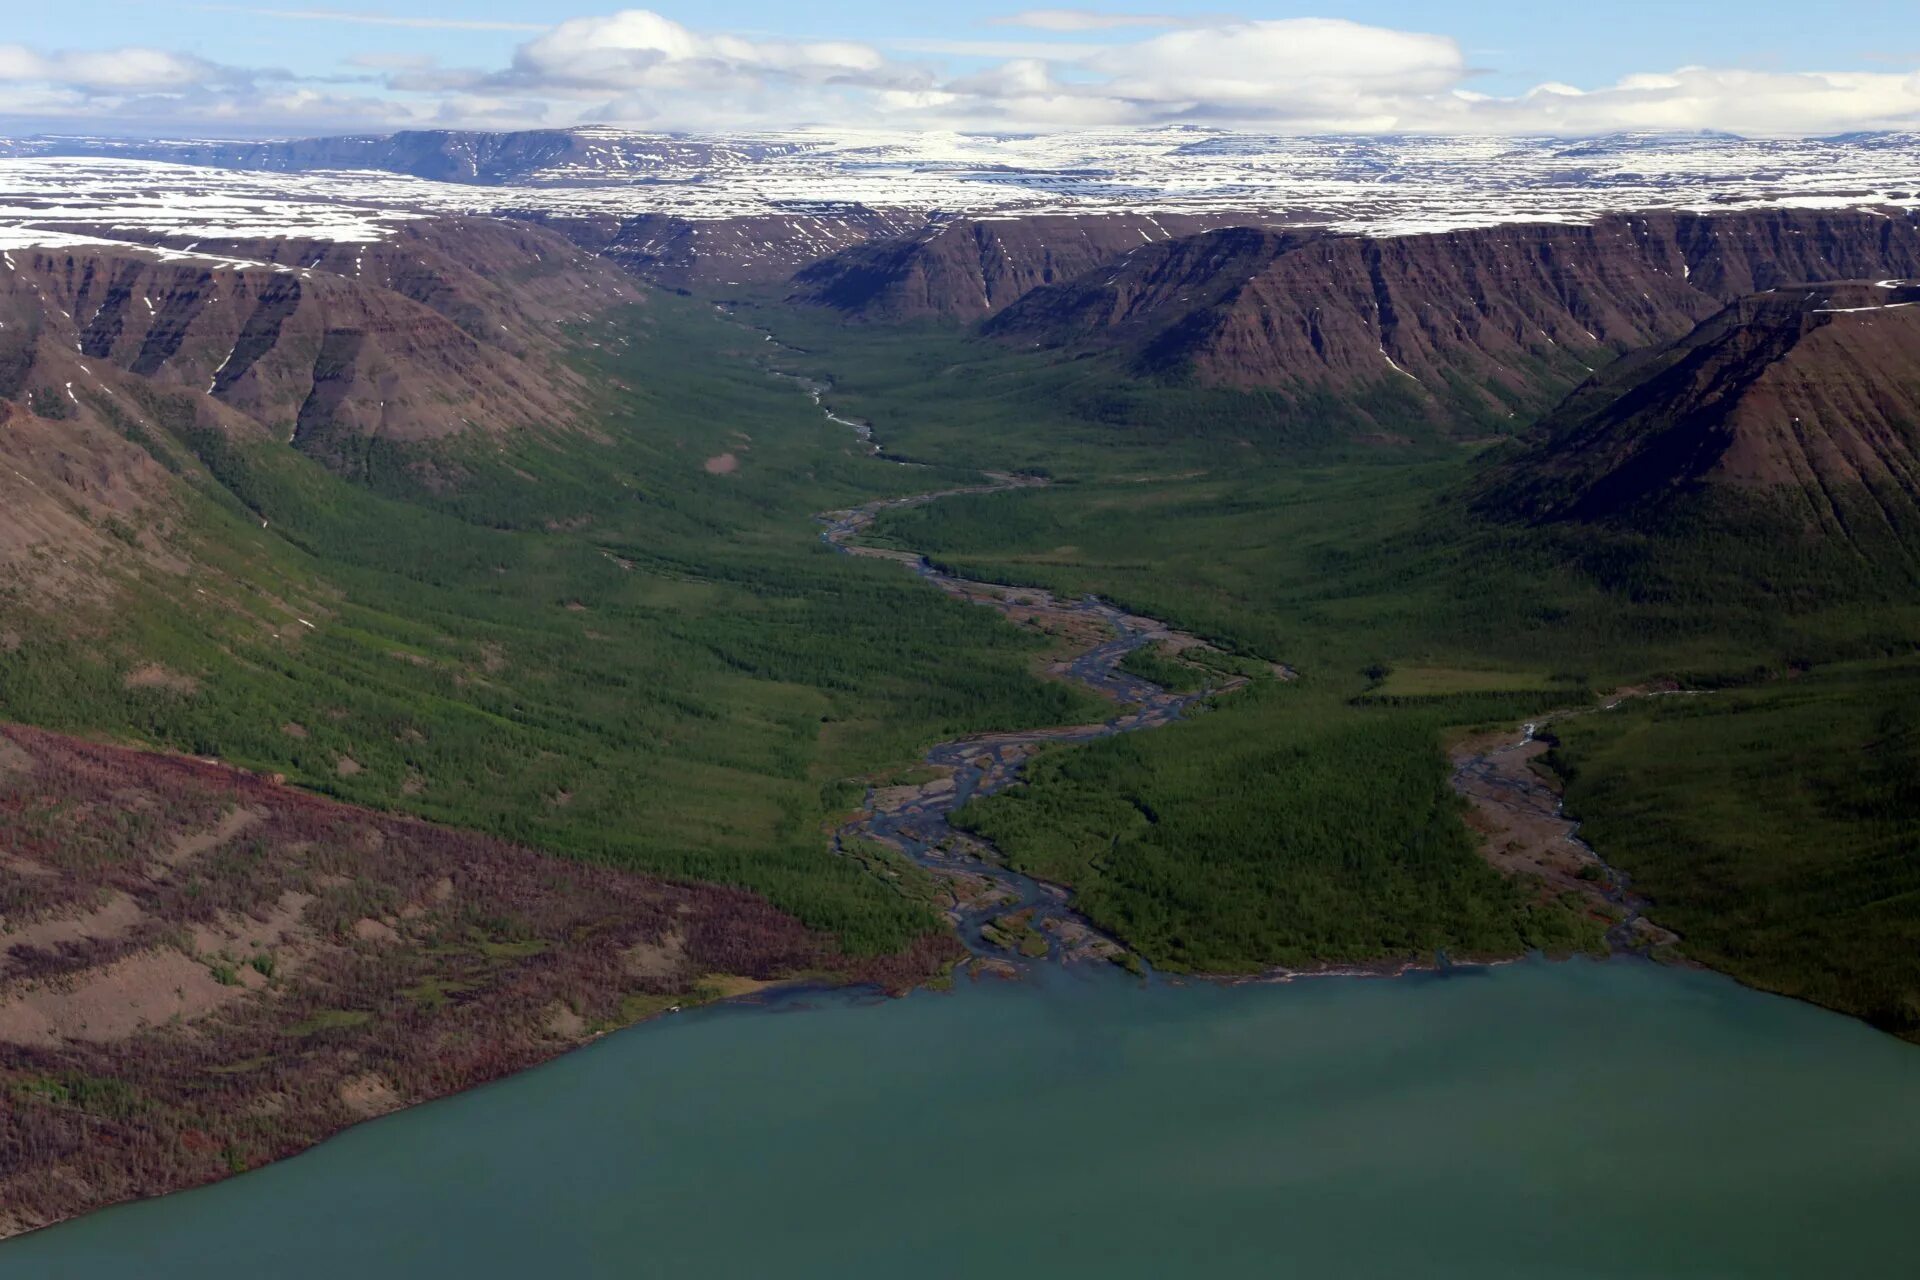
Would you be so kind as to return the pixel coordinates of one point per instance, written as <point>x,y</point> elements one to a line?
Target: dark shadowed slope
<point>1486,327</point>
<point>1809,393</point>
<point>970,268</point>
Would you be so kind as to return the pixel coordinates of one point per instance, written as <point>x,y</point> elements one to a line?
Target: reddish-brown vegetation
<point>359,962</point>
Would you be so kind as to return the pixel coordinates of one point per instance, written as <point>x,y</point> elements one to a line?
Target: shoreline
<point>14,1228</point>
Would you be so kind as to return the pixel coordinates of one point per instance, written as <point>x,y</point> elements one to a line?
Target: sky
<point>177,68</point>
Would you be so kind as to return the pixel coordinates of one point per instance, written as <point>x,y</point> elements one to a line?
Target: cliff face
<point>690,253</point>
<point>1486,324</point>
<point>1812,393</point>
<point>447,327</point>
<point>970,268</point>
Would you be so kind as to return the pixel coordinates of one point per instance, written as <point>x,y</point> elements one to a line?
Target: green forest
<point>1774,824</point>
<point>589,645</point>
<point>593,643</point>
<point>1315,822</point>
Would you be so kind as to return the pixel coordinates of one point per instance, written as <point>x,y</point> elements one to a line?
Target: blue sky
<point>1764,66</point>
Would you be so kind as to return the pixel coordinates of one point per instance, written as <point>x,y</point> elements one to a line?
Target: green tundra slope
<point>630,646</point>
<point>1774,824</point>
<point>1315,823</point>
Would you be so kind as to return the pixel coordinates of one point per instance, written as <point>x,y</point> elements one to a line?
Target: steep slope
<point>1489,325</point>
<point>969,268</point>
<point>88,489</point>
<point>117,356</point>
<point>445,327</point>
<point>690,253</point>
<point>1807,394</point>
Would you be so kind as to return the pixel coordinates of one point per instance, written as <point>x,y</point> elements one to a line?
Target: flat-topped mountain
<point>1485,326</point>
<point>1810,394</point>
<point>442,327</point>
<point>738,208</point>
<point>481,157</point>
<point>970,268</point>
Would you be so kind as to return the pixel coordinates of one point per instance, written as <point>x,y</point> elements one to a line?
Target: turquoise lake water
<point>1538,1120</point>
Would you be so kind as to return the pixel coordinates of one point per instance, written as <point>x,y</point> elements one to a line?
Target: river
<point>996,909</point>
<point>1581,1119</point>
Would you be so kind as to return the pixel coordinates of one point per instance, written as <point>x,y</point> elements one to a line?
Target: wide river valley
<point>1536,1120</point>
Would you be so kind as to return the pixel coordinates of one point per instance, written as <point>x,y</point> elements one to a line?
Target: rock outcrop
<point>1486,326</point>
<point>448,326</point>
<point>1809,394</point>
<point>970,268</point>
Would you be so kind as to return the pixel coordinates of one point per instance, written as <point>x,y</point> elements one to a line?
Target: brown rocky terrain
<point>1514,809</point>
<point>448,326</point>
<point>202,970</point>
<point>1490,325</point>
<point>1811,390</point>
<point>79,494</point>
<point>705,253</point>
<point>970,268</point>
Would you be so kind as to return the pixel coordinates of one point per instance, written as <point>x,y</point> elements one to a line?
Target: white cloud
<point>107,69</point>
<point>638,48</point>
<point>651,70</point>
<point>1280,67</point>
<point>1736,100</point>
<point>1303,74</point>
<point>636,67</point>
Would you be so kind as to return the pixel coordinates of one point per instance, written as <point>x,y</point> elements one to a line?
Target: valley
<point>996,910</point>
<point>438,559</point>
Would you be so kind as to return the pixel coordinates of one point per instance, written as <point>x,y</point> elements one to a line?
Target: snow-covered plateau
<point>179,194</point>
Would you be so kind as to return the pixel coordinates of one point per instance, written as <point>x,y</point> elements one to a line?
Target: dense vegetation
<point>1777,827</point>
<point>1286,827</point>
<point>592,645</point>
<point>1314,822</point>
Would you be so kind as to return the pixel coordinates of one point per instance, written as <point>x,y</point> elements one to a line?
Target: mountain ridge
<point>447,326</point>
<point>1488,325</point>
<point>1811,393</point>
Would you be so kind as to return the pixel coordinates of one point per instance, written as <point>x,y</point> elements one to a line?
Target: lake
<point>1536,1120</point>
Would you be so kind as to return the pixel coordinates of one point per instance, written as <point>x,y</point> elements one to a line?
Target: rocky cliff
<point>1809,394</point>
<point>970,268</point>
<point>448,327</point>
<point>445,327</point>
<point>1489,325</point>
